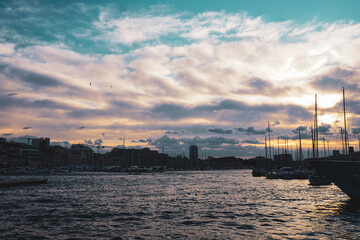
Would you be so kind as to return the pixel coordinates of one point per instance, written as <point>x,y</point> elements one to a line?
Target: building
<point>41,143</point>
<point>193,153</point>
<point>81,154</point>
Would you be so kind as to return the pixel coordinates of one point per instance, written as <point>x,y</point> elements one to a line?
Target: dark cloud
<point>296,136</point>
<point>172,132</point>
<point>275,123</point>
<point>25,128</point>
<point>355,130</point>
<point>88,142</point>
<point>142,141</point>
<point>7,134</point>
<point>257,86</point>
<point>6,102</point>
<point>81,127</point>
<point>335,79</point>
<point>98,142</point>
<point>12,94</point>
<point>251,131</point>
<point>103,134</point>
<point>251,141</point>
<point>220,131</point>
<point>301,128</point>
<point>35,80</point>
<point>175,111</point>
<point>325,129</point>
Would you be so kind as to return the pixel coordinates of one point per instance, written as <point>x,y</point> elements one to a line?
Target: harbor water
<point>176,205</point>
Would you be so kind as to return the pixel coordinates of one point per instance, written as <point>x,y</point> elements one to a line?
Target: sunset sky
<point>168,74</point>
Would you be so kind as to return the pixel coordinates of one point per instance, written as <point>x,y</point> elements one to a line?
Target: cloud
<point>98,142</point>
<point>251,141</point>
<point>301,128</point>
<point>170,72</point>
<point>25,128</point>
<point>251,131</point>
<point>34,79</point>
<point>275,123</point>
<point>355,130</point>
<point>126,30</point>
<point>66,144</point>
<point>220,131</point>
<point>304,136</point>
<point>335,78</point>
<point>176,111</point>
<point>88,142</point>
<point>172,132</point>
<point>7,134</point>
<point>325,129</point>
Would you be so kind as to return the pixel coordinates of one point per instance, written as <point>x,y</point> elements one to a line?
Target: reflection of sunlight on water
<point>182,205</point>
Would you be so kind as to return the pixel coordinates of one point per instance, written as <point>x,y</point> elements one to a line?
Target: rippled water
<point>176,205</point>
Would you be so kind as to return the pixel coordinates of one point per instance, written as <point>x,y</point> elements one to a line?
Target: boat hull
<point>344,174</point>
<point>22,183</point>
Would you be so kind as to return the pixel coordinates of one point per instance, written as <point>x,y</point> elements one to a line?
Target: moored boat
<point>317,180</point>
<point>18,183</point>
<point>344,174</point>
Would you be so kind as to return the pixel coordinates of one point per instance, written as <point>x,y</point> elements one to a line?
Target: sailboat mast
<point>346,136</point>
<point>300,150</point>
<point>313,141</point>
<point>269,139</point>
<point>316,130</point>
<point>266,156</point>
<point>342,140</point>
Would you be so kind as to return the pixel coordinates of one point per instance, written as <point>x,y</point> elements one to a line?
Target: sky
<point>169,74</point>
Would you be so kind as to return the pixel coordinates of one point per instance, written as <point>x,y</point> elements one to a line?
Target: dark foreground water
<point>176,205</point>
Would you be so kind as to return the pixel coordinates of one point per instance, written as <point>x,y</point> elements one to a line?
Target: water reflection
<point>178,205</point>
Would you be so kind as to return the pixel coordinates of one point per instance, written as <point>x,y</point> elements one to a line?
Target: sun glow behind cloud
<point>149,72</point>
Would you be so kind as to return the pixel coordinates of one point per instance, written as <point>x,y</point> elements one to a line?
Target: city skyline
<point>167,75</point>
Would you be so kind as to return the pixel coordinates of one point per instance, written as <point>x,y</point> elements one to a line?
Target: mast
<point>313,141</point>
<point>324,146</point>
<point>342,140</point>
<point>316,130</point>
<point>266,156</point>
<point>346,137</point>
<point>269,138</point>
<point>300,150</point>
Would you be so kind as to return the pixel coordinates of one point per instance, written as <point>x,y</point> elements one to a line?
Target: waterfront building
<point>81,154</point>
<point>41,143</point>
<point>193,153</point>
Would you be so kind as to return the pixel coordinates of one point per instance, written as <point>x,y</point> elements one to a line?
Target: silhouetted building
<point>41,143</point>
<point>193,153</point>
<point>81,154</point>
